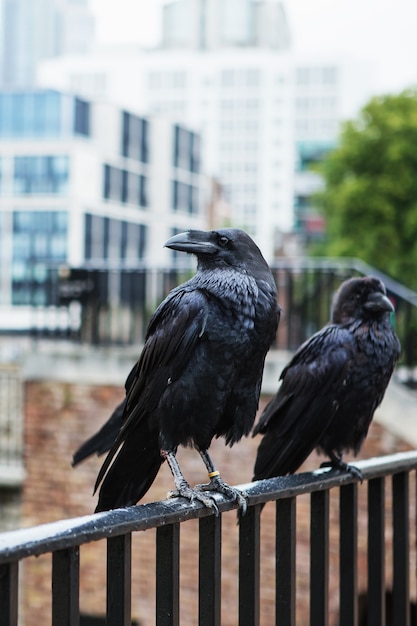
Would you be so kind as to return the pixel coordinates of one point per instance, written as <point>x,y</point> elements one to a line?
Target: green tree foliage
<point>370,194</point>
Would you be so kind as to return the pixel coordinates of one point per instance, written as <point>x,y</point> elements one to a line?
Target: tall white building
<point>326,92</point>
<point>214,24</point>
<point>224,69</point>
<point>33,30</point>
<point>264,114</point>
<point>88,184</point>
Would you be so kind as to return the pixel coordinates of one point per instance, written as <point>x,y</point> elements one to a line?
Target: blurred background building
<point>224,69</point>
<point>85,183</point>
<point>326,92</point>
<point>40,29</point>
<point>105,152</point>
<point>263,114</point>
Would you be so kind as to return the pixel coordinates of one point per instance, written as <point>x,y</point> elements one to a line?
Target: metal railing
<point>112,305</point>
<point>65,538</point>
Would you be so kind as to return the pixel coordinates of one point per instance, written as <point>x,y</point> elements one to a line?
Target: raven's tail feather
<point>277,456</point>
<point>103,440</point>
<point>133,470</point>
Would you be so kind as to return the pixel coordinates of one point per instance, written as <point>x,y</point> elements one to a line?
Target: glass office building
<point>83,183</point>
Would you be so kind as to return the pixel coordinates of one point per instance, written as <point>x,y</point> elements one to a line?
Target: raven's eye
<point>223,241</point>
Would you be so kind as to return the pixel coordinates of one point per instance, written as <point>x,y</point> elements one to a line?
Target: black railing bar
<point>348,555</point>
<point>209,571</point>
<point>119,580</point>
<point>376,552</point>
<point>249,567</point>
<point>9,593</point>
<point>319,558</point>
<point>401,548</point>
<point>44,538</point>
<point>168,575</point>
<point>285,562</point>
<point>66,587</point>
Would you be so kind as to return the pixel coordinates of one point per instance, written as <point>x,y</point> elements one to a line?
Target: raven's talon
<point>344,467</point>
<point>355,471</point>
<point>191,494</point>
<point>218,485</point>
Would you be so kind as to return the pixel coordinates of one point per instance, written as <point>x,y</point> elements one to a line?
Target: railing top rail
<point>301,263</point>
<point>346,264</point>
<point>15,545</point>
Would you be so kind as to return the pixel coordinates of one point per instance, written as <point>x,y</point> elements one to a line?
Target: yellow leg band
<point>213,474</point>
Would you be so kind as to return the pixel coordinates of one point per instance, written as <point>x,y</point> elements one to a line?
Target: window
<point>182,147</point>
<point>88,236</point>
<point>143,191</point>
<point>329,75</point>
<point>112,183</point>
<point>124,186</point>
<point>30,114</point>
<point>252,77</point>
<point>180,196</point>
<point>303,76</point>
<point>35,234</point>
<point>187,149</point>
<point>93,237</point>
<point>184,197</point>
<point>123,239</point>
<point>39,237</point>
<point>252,104</point>
<point>142,240</point>
<point>41,174</point>
<point>195,152</point>
<point>154,80</point>
<point>227,78</point>
<point>178,80</point>
<point>193,200</point>
<point>81,117</point>
<point>107,238</point>
<point>135,131</point>
<point>144,146</point>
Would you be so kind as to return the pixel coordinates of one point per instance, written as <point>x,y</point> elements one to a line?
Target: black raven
<point>199,374</point>
<point>333,384</point>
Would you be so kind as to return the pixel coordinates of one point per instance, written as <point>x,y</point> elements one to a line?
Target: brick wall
<point>59,416</point>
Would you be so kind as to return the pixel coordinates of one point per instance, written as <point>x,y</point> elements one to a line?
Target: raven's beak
<point>379,302</point>
<point>192,241</point>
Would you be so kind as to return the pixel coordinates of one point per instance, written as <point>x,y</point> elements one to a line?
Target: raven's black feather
<point>333,384</point>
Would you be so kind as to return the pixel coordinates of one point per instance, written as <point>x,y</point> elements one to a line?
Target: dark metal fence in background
<point>306,289</point>
<point>64,539</point>
<point>112,306</point>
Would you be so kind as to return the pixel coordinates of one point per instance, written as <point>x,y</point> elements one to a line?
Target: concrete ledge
<point>398,412</point>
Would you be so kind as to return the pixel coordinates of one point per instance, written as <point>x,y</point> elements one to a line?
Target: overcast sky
<point>381,31</point>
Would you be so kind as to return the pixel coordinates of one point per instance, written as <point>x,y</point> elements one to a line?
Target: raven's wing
<point>174,331</point>
<point>305,404</point>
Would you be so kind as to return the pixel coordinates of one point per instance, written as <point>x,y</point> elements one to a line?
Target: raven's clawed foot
<point>186,491</point>
<point>183,489</point>
<point>217,484</point>
<point>337,463</point>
